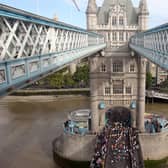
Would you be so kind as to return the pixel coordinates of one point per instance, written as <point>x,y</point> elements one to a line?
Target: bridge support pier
<point>94,115</point>
<point>133,118</point>
<point>72,68</point>
<point>141,93</point>
<point>93,94</point>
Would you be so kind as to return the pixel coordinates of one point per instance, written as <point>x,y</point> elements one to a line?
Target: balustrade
<point>153,44</point>
<point>31,46</point>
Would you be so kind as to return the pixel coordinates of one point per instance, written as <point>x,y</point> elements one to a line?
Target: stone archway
<point>119,114</point>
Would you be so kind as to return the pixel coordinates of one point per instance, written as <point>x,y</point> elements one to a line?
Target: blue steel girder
<point>31,46</point>
<point>152,44</point>
<point>20,72</point>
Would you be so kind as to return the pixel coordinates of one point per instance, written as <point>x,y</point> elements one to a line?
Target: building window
<point>108,36</point>
<point>114,20</point>
<point>103,68</point>
<point>118,87</point>
<point>1,31</point>
<point>132,68</point>
<point>121,36</point>
<point>127,36</point>
<point>121,20</point>
<point>114,35</point>
<point>128,90</point>
<point>107,91</point>
<point>118,66</point>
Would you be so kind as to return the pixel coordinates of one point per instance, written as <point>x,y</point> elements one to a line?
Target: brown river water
<point>28,126</point>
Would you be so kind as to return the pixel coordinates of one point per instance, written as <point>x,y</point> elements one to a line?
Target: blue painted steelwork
<point>34,46</point>
<point>152,44</point>
<point>18,14</point>
<point>24,34</point>
<point>20,72</point>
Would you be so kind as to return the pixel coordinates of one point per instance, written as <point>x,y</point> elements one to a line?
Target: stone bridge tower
<point>117,77</point>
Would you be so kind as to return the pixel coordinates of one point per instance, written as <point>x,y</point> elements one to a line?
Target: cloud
<point>158,12</point>
<point>69,2</point>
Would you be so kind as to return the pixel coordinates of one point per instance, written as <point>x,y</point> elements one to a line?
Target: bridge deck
<point>123,149</point>
<point>118,147</point>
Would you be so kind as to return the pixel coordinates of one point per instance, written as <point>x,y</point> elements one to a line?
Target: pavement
<point>117,146</point>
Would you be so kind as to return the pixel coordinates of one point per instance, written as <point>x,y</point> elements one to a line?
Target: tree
<point>68,80</point>
<point>63,79</point>
<point>81,76</point>
<point>148,80</point>
<point>57,80</point>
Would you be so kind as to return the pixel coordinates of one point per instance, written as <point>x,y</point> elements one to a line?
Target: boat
<point>78,122</point>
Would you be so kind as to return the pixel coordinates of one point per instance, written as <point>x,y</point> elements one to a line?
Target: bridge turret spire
<point>91,13</point>
<point>143,7</point>
<point>92,7</point>
<point>143,15</point>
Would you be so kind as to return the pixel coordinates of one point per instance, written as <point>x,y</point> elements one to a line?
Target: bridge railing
<point>23,34</point>
<point>31,46</point>
<point>152,44</point>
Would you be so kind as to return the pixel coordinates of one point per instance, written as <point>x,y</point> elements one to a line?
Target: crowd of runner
<point>117,146</point>
<point>98,159</point>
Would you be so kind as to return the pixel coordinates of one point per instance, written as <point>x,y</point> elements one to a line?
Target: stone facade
<point>81,148</point>
<point>117,78</point>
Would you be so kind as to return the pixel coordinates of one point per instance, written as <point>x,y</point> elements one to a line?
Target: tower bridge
<point>116,41</point>
<point>118,78</point>
<point>33,46</point>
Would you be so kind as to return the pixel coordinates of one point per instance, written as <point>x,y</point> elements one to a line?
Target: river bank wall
<point>37,92</point>
<point>154,146</point>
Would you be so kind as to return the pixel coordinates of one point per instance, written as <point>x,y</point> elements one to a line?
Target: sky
<point>66,11</point>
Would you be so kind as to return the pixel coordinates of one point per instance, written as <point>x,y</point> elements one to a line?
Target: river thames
<point>28,126</point>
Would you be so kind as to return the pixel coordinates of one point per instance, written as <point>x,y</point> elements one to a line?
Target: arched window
<point>118,87</point>
<point>121,20</point>
<point>103,68</point>
<point>128,90</point>
<point>114,20</point>
<point>132,68</point>
<point>114,36</point>
<point>107,91</point>
<point>127,36</point>
<point>121,36</point>
<point>118,66</point>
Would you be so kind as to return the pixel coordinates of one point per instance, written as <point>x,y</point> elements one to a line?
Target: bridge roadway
<point>122,148</point>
